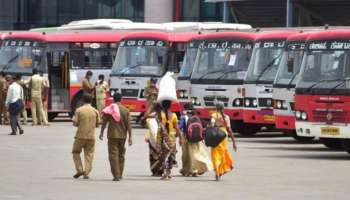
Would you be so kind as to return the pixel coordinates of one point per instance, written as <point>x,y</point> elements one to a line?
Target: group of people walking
<point>14,93</point>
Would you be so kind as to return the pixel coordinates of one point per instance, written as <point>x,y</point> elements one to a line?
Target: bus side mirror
<point>290,65</point>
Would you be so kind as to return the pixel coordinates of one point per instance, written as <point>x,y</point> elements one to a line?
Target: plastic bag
<point>167,88</point>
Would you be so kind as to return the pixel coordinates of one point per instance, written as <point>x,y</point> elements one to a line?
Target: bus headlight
<point>237,102</point>
<point>298,114</point>
<point>279,104</point>
<point>255,103</point>
<point>247,102</point>
<point>112,92</point>
<point>183,94</point>
<point>196,101</point>
<point>284,105</point>
<point>303,116</point>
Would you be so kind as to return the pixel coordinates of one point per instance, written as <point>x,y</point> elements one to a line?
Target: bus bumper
<point>285,122</point>
<point>322,130</point>
<point>234,114</point>
<point>264,116</point>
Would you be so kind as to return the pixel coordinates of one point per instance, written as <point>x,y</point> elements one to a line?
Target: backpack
<point>195,130</point>
<point>214,136</point>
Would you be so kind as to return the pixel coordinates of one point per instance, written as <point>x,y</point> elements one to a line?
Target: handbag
<point>214,136</point>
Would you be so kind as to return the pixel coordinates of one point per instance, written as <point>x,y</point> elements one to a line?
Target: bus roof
<point>94,24</point>
<point>302,37</point>
<point>82,36</point>
<point>274,35</point>
<point>183,36</point>
<point>223,26</point>
<point>230,35</point>
<point>330,34</point>
<point>160,35</point>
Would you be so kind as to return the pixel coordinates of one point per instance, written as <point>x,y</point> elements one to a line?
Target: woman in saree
<point>221,157</point>
<point>167,139</point>
<point>153,119</point>
<point>195,159</point>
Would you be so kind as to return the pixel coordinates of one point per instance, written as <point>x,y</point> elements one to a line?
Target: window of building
<point>199,10</point>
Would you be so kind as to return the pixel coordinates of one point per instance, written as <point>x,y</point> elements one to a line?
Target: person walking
<point>45,93</point>
<point>14,104</point>
<point>195,160</point>
<point>101,88</point>
<point>86,118</point>
<point>167,138</point>
<point>117,117</point>
<point>221,157</point>
<point>151,93</point>
<point>3,93</point>
<point>36,85</point>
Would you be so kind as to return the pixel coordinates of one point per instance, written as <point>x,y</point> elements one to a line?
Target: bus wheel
<point>346,145</point>
<point>52,116</point>
<point>293,134</point>
<point>245,130</point>
<point>332,143</point>
<point>76,103</point>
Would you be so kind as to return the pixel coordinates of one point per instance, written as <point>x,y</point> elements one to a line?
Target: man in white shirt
<point>14,103</point>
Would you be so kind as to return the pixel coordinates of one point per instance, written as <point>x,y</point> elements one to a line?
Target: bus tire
<point>52,116</point>
<point>332,143</point>
<point>298,138</point>
<point>346,145</point>
<point>76,102</point>
<point>245,130</point>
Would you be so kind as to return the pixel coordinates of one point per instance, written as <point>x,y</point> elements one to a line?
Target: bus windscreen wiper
<point>123,72</point>
<point>322,81</point>
<point>225,73</point>
<point>268,66</point>
<point>210,72</point>
<point>7,66</point>
<point>291,80</point>
<point>343,81</point>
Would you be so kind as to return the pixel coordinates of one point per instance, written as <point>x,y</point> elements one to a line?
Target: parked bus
<point>64,57</point>
<point>267,54</point>
<point>145,55</point>
<point>323,89</point>
<point>284,85</point>
<point>218,74</point>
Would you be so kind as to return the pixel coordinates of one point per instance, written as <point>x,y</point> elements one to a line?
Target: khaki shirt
<point>3,88</point>
<point>117,130</point>
<point>36,85</point>
<point>87,86</point>
<point>86,118</point>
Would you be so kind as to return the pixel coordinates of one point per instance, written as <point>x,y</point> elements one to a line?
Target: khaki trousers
<point>116,154</point>
<point>3,113</point>
<point>37,107</point>
<point>89,149</point>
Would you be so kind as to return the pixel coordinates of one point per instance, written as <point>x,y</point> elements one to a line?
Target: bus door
<point>58,68</point>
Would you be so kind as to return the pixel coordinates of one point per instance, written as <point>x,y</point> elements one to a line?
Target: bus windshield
<point>18,56</point>
<point>189,59</point>
<point>93,55</point>
<point>140,58</point>
<point>265,61</point>
<point>222,60</point>
<point>284,76</point>
<point>326,69</point>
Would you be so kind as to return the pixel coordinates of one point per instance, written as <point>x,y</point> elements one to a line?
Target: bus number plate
<point>330,131</point>
<point>269,118</point>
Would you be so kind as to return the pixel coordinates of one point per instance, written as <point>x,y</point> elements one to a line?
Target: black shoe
<point>21,132</point>
<point>86,177</point>
<point>78,174</point>
<point>12,133</point>
<point>116,179</point>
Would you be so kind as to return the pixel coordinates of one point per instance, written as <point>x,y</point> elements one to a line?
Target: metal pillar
<point>289,13</point>
<point>225,13</point>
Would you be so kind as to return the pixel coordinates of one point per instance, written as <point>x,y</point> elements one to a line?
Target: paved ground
<point>38,165</point>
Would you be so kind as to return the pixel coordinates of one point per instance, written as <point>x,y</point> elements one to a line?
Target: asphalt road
<point>38,165</point>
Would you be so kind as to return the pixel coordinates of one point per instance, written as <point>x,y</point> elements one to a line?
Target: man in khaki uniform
<point>86,118</point>
<point>3,92</point>
<point>36,85</point>
<point>87,86</point>
<point>22,83</point>
<point>45,92</point>
<point>117,134</point>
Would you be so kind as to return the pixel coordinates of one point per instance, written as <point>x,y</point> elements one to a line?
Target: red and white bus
<point>64,57</point>
<point>284,85</point>
<point>141,56</point>
<point>218,74</point>
<point>322,100</point>
<point>258,105</point>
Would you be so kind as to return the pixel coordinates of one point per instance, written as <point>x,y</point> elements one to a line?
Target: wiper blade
<point>123,72</point>
<point>210,72</point>
<point>268,66</point>
<point>339,84</point>
<point>225,73</point>
<point>291,80</point>
<point>7,66</point>
<point>322,81</point>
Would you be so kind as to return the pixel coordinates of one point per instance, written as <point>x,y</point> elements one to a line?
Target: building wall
<point>159,10</point>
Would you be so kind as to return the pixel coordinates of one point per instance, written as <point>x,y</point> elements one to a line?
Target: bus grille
<point>265,102</point>
<point>337,117</point>
<point>130,92</point>
<point>210,100</point>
